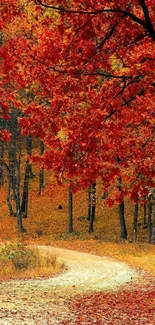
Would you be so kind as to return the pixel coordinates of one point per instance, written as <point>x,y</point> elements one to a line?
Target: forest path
<point>47,301</point>
<point>88,271</point>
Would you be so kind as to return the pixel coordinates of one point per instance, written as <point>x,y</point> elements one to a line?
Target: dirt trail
<point>45,301</point>
<point>88,272</point>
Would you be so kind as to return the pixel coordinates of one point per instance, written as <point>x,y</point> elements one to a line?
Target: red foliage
<point>5,135</point>
<point>93,64</point>
<point>122,307</point>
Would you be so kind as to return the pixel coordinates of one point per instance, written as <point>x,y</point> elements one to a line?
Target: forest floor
<point>69,299</point>
<point>93,290</point>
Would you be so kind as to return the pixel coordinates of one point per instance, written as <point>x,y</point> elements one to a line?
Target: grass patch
<point>20,261</point>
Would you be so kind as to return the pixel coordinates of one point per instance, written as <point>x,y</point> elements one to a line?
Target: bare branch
<point>47,66</point>
<point>62,9</point>
<point>149,25</point>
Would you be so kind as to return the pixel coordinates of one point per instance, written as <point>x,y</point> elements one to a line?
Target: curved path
<point>88,272</point>
<point>46,301</point>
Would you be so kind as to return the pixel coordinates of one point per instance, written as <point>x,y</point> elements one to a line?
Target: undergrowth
<point>17,261</point>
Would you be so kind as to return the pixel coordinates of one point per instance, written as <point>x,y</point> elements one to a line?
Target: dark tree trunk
<point>121,213</point>
<point>135,222</point>
<point>93,207</point>
<point>19,213</point>
<point>14,166</point>
<point>24,205</point>
<point>122,221</point>
<point>28,175</point>
<point>70,211</point>
<point>1,177</point>
<point>89,203</point>
<point>29,152</point>
<point>18,203</point>
<point>9,198</point>
<point>145,212</point>
<point>1,159</point>
<point>41,173</point>
<point>153,239</point>
<point>149,222</point>
<point>12,163</point>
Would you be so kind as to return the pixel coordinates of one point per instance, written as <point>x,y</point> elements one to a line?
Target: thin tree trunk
<point>41,173</point>
<point>8,198</point>
<point>28,171</point>
<point>93,207</point>
<point>123,234</point>
<point>149,222</point>
<point>145,213</point>
<point>135,222</point>
<point>89,203</point>
<point>153,239</point>
<point>12,176</point>
<point>19,213</point>
<point>18,207</point>
<point>24,205</point>
<point>1,159</point>
<point>1,176</point>
<point>122,221</point>
<point>29,152</point>
<point>14,166</point>
<point>70,211</point>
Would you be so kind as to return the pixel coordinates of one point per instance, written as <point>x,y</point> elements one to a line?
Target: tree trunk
<point>123,234</point>
<point>135,221</point>
<point>9,198</point>
<point>24,205</point>
<point>17,192</point>
<point>14,166</point>
<point>153,239</point>
<point>93,207</point>
<point>149,222</point>
<point>12,163</point>
<point>28,175</point>
<point>41,173</point>
<point>122,221</point>
<point>19,213</point>
<point>70,211</point>
<point>1,159</point>
<point>29,152</point>
<point>89,203</point>
<point>145,212</point>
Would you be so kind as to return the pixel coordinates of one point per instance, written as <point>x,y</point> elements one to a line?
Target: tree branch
<point>47,66</point>
<point>149,25</point>
<point>62,9</point>
<point>107,37</point>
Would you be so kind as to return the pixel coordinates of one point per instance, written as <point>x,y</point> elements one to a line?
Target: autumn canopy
<point>83,75</point>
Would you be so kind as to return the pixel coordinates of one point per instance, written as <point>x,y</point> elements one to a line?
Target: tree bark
<point>1,159</point>
<point>145,212</point>
<point>93,207</point>
<point>24,205</point>
<point>153,238</point>
<point>14,166</point>
<point>123,234</point>
<point>29,152</point>
<point>28,175</point>
<point>149,235</point>
<point>89,203</point>
<point>70,211</point>
<point>12,163</point>
<point>12,213</point>
<point>17,194</point>
<point>135,222</point>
